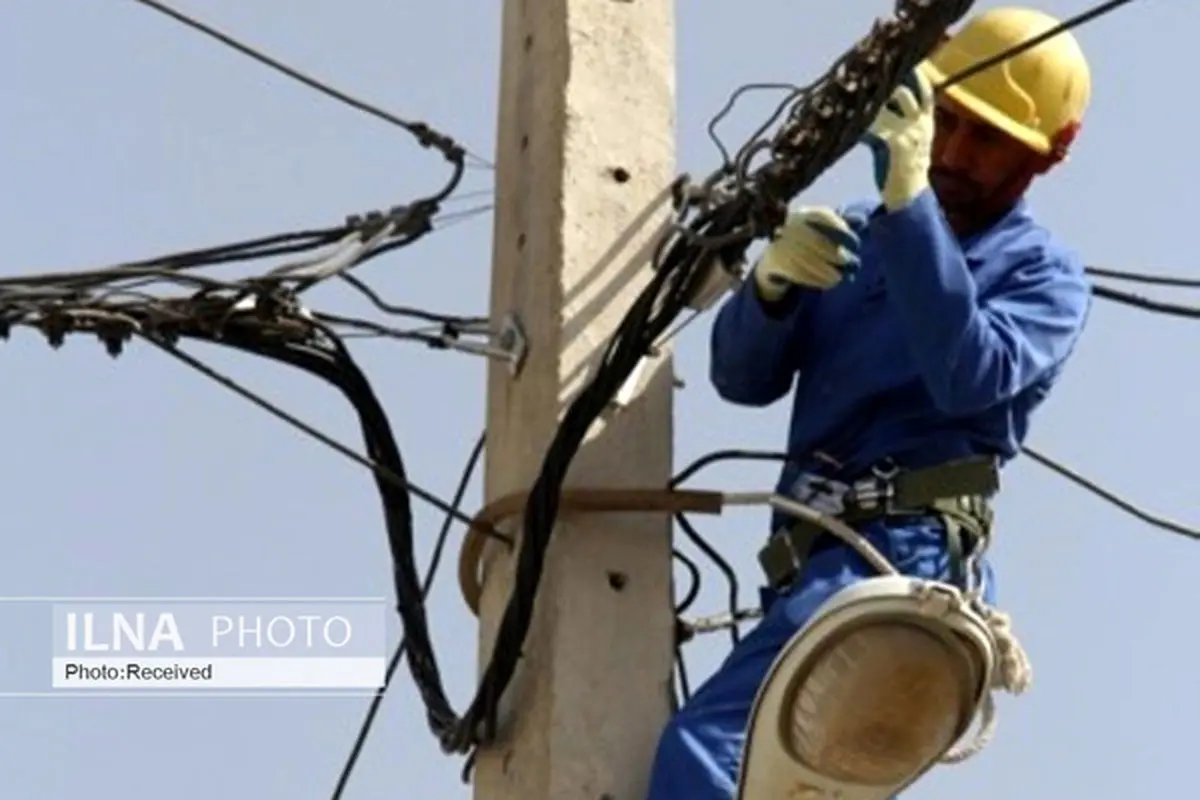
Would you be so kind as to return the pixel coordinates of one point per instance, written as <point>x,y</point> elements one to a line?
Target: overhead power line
<point>1145,303</point>
<point>1147,278</point>
<point>422,132</point>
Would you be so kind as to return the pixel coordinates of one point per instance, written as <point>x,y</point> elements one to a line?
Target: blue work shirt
<point>938,349</point>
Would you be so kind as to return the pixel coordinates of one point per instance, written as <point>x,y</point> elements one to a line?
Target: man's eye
<point>986,136</point>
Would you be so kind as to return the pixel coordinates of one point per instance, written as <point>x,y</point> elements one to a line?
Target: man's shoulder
<point>1028,241</point>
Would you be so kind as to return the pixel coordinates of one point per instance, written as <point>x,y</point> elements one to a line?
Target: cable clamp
<point>507,343</point>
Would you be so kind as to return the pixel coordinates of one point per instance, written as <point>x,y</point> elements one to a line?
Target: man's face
<point>972,161</point>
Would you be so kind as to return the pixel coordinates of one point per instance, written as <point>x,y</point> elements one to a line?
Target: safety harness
<point>958,493</point>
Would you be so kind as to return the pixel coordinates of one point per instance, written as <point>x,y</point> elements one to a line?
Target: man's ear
<point>1060,145</point>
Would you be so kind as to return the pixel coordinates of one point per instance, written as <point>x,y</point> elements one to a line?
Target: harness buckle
<point>957,491</point>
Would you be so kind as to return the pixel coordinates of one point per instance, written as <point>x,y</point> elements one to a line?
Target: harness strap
<point>957,493</point>
<point>964,517</point>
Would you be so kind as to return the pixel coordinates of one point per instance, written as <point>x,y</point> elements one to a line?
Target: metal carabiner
<point>886,470</point>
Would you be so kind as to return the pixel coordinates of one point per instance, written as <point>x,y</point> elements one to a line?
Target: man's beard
<point>956,192</point>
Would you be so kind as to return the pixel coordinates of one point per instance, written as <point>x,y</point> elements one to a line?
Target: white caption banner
<point>120,674</point>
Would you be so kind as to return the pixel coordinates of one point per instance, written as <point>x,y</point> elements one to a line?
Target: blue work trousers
<point>700,749</point>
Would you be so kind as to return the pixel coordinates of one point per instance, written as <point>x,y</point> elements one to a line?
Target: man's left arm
<point>974,354</point>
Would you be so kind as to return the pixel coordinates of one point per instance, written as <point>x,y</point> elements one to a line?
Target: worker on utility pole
<point>961,315</point>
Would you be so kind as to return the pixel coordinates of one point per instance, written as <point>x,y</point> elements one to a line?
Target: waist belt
<point>958,492</point>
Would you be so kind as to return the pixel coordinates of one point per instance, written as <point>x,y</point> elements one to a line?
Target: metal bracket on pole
<point>509,343</point>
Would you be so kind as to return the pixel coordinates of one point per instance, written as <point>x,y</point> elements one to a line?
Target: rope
<point>1014,674</point>
<point>1012,670</point>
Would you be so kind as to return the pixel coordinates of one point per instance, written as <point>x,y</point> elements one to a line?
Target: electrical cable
<point>689,530</point>
<point>1112,497</point>
<point>718,456</point>
<point>335,365</point>
<point>683,685</point>
<point>374,466</point>
<point>1139,302</point>
<point>683,689</point>
<point>165,265</point>
<point>426,585</point>
<point>359,239</point>
<point>1146,304</point>
<point>694,581</point>
<point>1149,279</point>
<point>1089,15</point>
<point>406,311</point>
<point>718,560</point>
<point>424,135</point>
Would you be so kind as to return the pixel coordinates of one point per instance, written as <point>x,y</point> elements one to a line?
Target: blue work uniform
<point>939,349</point>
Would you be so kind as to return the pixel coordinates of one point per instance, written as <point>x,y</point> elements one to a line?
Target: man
<point>958,320</point>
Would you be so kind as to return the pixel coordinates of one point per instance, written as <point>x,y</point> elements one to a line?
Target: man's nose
<point>955,148</point>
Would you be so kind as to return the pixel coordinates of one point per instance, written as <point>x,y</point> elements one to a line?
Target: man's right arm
<point>756,346</point>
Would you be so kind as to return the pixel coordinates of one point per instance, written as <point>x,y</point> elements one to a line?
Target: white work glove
<point>815,248</point>
<point>901,141</point>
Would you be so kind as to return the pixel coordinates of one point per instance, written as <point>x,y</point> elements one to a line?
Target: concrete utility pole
<point>585,147</point>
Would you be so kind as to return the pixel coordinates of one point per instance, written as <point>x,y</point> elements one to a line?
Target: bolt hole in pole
<point>617,580</point>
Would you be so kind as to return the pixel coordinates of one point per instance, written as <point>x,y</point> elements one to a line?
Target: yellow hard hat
<point>1038,96</point>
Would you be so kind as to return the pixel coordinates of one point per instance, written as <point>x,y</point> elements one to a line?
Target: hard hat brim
<point>1033,139</point>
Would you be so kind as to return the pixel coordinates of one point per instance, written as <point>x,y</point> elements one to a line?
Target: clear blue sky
<point>125,135</point>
